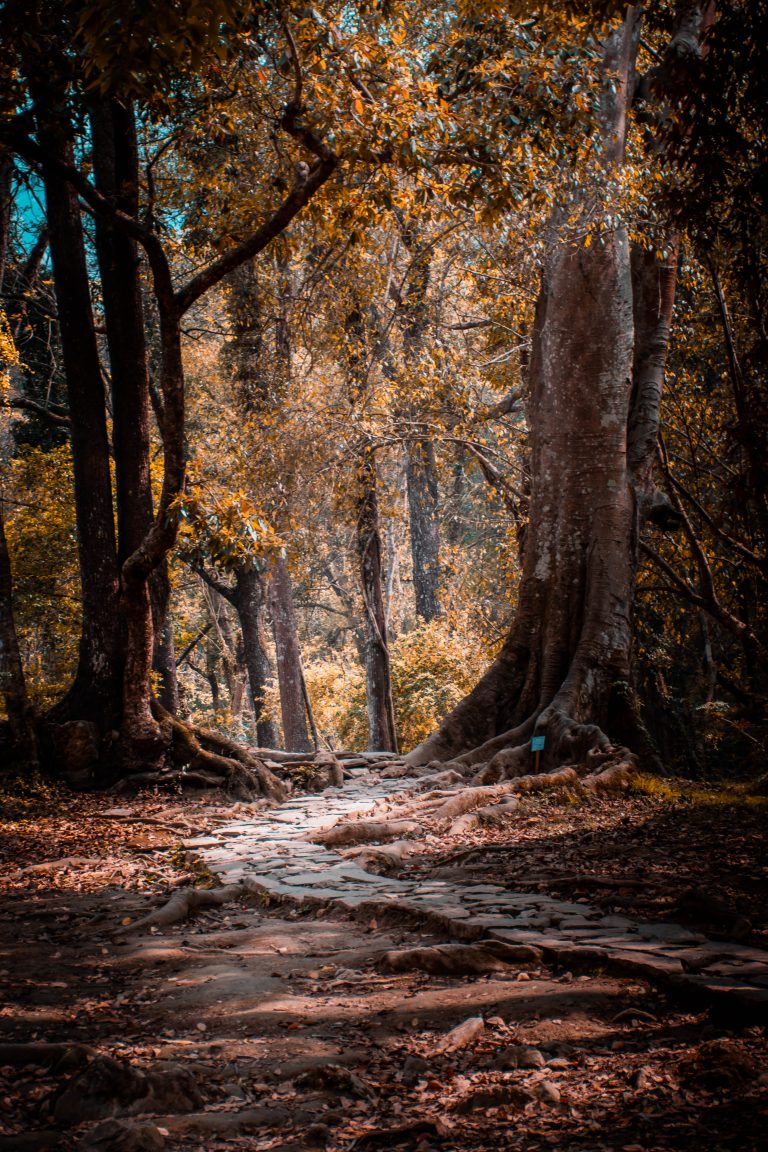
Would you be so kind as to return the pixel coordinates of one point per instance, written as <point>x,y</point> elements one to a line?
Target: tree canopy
<point>383,374</point>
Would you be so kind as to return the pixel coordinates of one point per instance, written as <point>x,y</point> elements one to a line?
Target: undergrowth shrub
<point>433,666</point>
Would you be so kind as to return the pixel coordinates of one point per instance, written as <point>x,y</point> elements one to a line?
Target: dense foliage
<point>362,375</point>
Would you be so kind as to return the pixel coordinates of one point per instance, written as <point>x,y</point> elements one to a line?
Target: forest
<point>383,557</point>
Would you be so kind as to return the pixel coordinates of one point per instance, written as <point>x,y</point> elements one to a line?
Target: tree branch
<point>49,414</point>
<point>298,198</point>
<point>193,644</point>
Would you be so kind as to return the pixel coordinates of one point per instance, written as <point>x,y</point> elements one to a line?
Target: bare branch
<point>50,414</point>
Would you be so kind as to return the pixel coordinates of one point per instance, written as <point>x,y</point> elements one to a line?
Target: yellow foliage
<point>433,666</point>
<point>9,356</point>
<point>42,542</point>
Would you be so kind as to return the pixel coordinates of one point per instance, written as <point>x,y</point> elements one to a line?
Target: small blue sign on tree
<point>537,744</point>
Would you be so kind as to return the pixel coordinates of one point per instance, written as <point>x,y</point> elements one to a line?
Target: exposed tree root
<point>440,779</point>
<point>488,816</point>
<point>183,903</point>
<point>384,859</point>
<point>402,768</point>
<point>207,759</point>
<point>55,865</point>
<point>60,1057</point>
<point>365,832</point>
<point>577,879</point>
<point>544,781</point>
<point>462,1035</point>
<point>226,1123</point>
<point>611,781</point>
<point>107,1088</point>
<point>461,959</point>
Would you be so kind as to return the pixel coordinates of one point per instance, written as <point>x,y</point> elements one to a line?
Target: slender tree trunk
<point>458,488</point>
<point>13,687</point>
<point>654,282</point>
<point>421,474</point>
<point>163,645</point>
<point>248,599</point>
<point>382,731</point>
<point>382,734</point>
<point>6,182</point>
<point>289,674</point>
<point>425,536</point>
<point>211,660</point>
<point>95,694</point>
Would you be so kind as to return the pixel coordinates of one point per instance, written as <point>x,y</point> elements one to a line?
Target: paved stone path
<point>272,855</point>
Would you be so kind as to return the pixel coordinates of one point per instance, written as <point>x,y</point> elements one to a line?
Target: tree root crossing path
<point>329,850</point>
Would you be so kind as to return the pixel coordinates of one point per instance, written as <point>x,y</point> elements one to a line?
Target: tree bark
<point>13,686</point>
<point>248,599</point>
<point>421,479</point>
<point>421,476</point>
<point>382,733</point>
<point>116,169</point>
<point>163,644</point>
<point>289,674</point>
<point>654,281</point>
<point>564,670</point>
<point>95,693</point>
<point>6,183</point>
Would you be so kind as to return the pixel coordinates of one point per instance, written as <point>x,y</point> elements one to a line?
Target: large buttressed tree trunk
<point>564,671</point>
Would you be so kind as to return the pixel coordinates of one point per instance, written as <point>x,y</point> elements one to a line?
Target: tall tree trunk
<point>6,183</point>
<point>382,733</point>
<point>248,599</point>
<point>421,474</point>
<point>13,687</point>
<point>421,479</point>
<point>95,693</point>
<point>262,372</point>
<point>654,281</point>
<point>564,670</point>
<point>288,656</point>
<point>116,168</point>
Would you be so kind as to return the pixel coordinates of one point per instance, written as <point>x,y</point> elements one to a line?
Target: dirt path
<point>282,1021</point>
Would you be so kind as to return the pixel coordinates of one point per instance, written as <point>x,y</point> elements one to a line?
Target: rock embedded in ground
<point>518,1056</point>
<point>414,1068</point>
<point>493,1096</point>
<point>548,1092</point>
<point>462,1035</point>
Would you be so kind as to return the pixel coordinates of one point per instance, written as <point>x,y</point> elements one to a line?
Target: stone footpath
<point>272,855</point>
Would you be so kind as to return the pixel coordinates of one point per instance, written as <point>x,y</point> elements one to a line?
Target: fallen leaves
<point>527,1067</point>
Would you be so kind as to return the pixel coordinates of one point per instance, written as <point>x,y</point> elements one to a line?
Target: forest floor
<point>273,1025</point>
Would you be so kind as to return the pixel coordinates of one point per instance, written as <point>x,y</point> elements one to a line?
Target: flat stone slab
<point>670,933</point>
